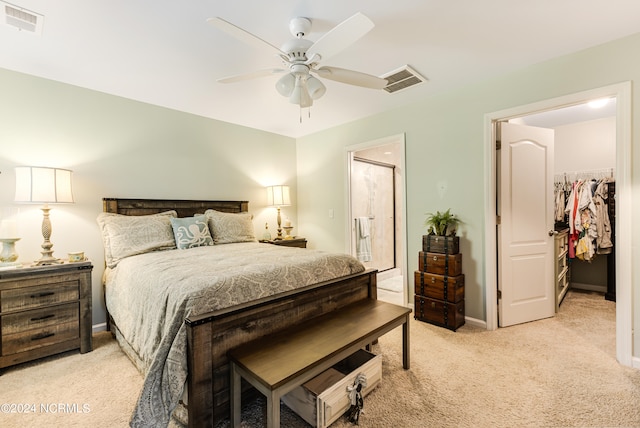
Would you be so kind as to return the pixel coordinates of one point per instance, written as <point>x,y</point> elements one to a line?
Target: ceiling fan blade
<point>243,35</point>
<point>341,36</point>
<point>252,75</point>
<point>351,77</point>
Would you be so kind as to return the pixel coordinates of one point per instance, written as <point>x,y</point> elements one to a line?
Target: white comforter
<point>150,295</point>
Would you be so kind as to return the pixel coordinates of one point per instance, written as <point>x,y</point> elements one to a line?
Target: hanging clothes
<point>571,210</point>
<point>560,203</point>
<point>586,222</point>
<point>604,243</point>
<point>586,213</point>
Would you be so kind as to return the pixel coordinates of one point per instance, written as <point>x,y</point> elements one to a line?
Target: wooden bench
<point>278,363</point>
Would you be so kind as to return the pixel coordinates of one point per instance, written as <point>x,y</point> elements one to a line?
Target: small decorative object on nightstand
<point>44,310</point>
<point>9,256</point>
<point>8,238</point>
<point>266,236</point>
<point>287,229</point>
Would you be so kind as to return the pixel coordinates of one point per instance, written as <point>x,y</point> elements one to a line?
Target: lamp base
<point>47,256</point>
<point>42,261</point>
<point>47,252</point>
<point>279,220</point>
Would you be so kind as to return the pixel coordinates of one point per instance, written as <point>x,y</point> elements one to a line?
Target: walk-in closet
<point>584,184</point>
<point>584,221</point>
<point>584,158</point>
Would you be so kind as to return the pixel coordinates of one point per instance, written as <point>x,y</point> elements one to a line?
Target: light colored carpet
<point>559,372</point>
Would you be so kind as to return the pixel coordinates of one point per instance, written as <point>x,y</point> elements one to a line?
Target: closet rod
<point>586,174</point>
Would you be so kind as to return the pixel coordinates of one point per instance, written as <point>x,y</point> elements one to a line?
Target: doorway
<point>622,93</point>
<point>377,213</point>
<point>373,209</point>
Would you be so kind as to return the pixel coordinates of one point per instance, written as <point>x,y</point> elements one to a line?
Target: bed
<point>209,330</point>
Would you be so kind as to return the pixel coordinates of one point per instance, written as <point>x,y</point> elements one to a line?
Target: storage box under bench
<point>325,398</point>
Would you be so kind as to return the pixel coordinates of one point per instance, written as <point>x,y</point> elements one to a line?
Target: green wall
<point>445,142</point>
<point>122,148</point>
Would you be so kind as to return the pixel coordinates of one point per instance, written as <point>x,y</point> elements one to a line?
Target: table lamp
<point>278,196</point>
<point>46,186</point>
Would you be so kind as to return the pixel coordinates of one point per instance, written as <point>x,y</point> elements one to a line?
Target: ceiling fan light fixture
<point>286,84</point>
<point>301,95</point>
<point>315,87</point>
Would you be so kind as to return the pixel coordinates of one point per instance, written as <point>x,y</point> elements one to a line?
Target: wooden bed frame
<point>210,336</point>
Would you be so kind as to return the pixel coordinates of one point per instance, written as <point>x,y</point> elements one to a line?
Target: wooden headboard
<point>184,208</point>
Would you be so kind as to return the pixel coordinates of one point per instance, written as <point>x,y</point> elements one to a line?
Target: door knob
<point>553,232</point>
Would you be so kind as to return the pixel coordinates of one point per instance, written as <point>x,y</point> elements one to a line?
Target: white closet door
<point>525,234</point>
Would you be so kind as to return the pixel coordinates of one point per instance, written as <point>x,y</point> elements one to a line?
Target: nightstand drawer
<point>37,338</point>
<point>40,318</point>
<point>36,296</point>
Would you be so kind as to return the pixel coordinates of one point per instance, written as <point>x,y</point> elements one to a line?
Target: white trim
<point>624,304</point>
<point>475,322</point>
<point>96,328</point>
<point>393,139</point>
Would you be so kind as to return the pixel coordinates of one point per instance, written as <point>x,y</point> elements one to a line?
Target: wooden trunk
<point>441,264</point>
<point>440,287</point>
<point>441,244</point>
<point>443,314</point>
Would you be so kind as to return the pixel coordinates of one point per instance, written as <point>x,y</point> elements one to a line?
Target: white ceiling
<point>164,53</point>
<point>569,115</point>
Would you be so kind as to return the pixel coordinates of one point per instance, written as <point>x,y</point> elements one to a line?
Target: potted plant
<point>441,231</point>
<point>442,224</point>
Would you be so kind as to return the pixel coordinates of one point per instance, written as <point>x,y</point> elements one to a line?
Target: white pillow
<point>227,228</point>
<point>125,236</point>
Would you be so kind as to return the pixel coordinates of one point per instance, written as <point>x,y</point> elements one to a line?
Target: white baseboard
<point>99,327</point>
<point>476,322</point>
<point>589,287</point>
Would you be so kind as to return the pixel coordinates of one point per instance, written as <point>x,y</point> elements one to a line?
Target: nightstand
<point>44,310</point>
<point>295,242</point>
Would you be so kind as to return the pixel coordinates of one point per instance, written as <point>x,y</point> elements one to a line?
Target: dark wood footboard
<point>212,335</point>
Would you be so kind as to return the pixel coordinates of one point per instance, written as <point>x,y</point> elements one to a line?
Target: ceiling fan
<point>302,57</point>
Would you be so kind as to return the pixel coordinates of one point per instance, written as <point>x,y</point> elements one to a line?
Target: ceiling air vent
<point>22,19</point>
<point>402,78</point>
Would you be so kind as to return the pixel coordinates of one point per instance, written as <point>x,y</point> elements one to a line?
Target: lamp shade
<point>278,196</point>
<point>300,94</point>
<point>43,185</point>
<point>315,87</point>
<point>285,85</point>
